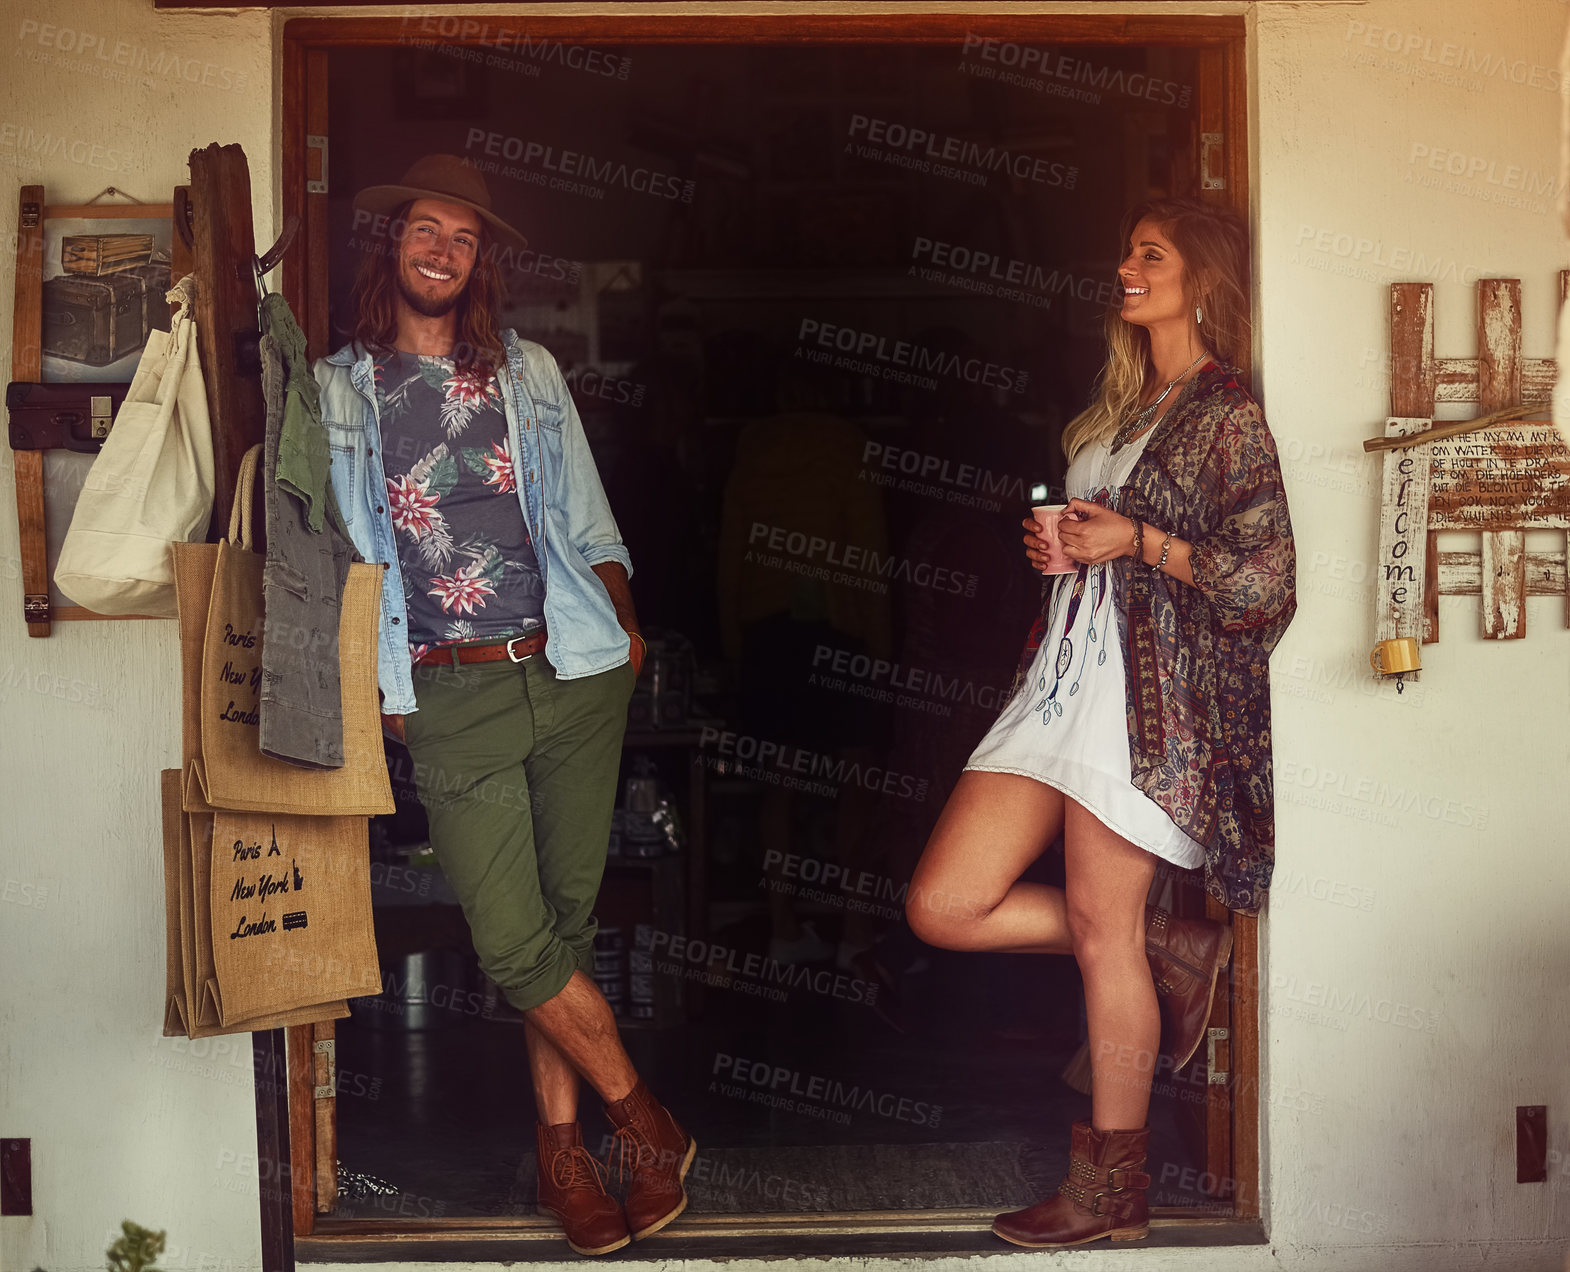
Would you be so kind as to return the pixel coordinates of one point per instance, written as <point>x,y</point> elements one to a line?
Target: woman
<point>1139,726</point>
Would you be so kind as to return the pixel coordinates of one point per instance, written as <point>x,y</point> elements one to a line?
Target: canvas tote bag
<point>220,608</point>
<point>193,1001</point>
<point>151,484</point>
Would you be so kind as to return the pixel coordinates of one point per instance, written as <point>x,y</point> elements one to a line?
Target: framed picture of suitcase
<point>103,290</point>
<point>90,284</point>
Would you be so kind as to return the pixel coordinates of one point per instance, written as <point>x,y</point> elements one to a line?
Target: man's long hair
<point>1213,243</point>
<point>477,349</point>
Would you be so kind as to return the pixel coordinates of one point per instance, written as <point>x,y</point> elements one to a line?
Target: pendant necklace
<point>1137,422</point>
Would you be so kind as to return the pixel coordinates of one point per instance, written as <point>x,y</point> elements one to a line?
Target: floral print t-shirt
<point>469,569</point>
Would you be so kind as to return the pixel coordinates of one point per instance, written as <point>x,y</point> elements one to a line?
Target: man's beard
<point>428,308</point>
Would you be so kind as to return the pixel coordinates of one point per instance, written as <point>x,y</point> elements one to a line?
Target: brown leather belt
<point>516,649</point>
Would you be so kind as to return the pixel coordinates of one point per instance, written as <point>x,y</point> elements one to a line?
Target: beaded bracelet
<point>1166,546</point>
<point>1139,539</point>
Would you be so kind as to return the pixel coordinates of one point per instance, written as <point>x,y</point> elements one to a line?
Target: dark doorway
<point>824,311</point>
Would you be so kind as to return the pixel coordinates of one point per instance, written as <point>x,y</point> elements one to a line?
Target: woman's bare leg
<point>966,894</point>
<point>1107,882</point>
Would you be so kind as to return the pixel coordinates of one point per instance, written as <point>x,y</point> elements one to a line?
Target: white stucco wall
<point>124,1124</point>
<point>1417,949</point>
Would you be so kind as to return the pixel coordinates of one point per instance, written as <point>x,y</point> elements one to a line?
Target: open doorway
<point>824,309</point>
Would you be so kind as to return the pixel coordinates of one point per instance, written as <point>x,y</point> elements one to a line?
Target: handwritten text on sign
<point>1512,476</point>
<point>1403,538</point>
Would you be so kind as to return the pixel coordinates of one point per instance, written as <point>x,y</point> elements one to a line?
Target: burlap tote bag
<point>193,1005</point>
<point>290,911</point>
<point>151,484</point>
<point>221,669</point>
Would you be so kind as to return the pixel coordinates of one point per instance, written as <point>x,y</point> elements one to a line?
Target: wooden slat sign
<point>1497,481</point>
<point>1513,476</point>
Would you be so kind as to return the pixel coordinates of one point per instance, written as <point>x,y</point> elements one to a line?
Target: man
<point>508,651</point>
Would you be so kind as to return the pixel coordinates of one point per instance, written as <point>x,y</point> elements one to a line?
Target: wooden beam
<point>1499,386</point>
<point>319,342</point>
<point>511,30</point>
<point>1413,373</point>
<point>226,309</point>
<point>1455,380</point>
<point>27,361</point>
<point>1245,1065</point>
<point>1461,573</point>
<point>1228,1187</point>
<point>302,1129</point>
<point>1413,370</point>
<point>1503,569</point>
<point>325,1109</point>
<point>272,1148</point>
<point>291,154</point>
<point>1564,293</point>
<point>1401,563</point>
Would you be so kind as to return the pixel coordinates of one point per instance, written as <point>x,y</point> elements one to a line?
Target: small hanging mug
<point>1395,657</point>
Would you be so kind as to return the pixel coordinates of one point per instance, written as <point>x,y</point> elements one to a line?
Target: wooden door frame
<point>1222,41</point>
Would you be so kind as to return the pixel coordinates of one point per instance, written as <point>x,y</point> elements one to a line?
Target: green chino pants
<point>517,771</point>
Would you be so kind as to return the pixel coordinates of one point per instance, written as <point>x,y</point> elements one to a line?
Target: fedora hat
<point>449,178</point>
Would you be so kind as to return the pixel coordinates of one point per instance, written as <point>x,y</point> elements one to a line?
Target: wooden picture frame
<point>110,241</point>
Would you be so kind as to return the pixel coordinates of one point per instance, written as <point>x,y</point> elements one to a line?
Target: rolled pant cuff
<point>542,982</point>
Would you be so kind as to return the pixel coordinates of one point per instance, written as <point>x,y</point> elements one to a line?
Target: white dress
<point>1068,724</point>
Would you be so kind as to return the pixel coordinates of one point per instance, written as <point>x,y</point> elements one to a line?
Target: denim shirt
<point>558,486</point>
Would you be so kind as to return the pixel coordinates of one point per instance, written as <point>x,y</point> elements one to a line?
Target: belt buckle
<point>515,657</point>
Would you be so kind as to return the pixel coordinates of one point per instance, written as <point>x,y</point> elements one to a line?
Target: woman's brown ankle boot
<point>1103,1195</point>
<point>1186,956</point>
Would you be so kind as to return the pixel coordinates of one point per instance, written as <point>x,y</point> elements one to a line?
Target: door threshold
<point>724,1237</point>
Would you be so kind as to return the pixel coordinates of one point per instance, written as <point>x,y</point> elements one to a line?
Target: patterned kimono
<point>1197,658</point>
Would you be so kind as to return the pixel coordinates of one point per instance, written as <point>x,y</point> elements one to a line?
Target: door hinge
<point>1213,1035</point>
<point>1210,156</point>
<point>326,1047</point>
<point>319,145</point>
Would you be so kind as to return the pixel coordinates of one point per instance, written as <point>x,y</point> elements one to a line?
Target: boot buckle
<point>1111,1171</point>
<point>1095,1205</point>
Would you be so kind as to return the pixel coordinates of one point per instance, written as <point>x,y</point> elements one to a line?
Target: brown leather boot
<point>571,1188</point>
<point>1103,1195</point>
<point>657,1153</point>
<point>1186,956</point>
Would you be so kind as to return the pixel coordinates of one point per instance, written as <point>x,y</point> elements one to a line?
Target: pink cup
<point>1047,517</point>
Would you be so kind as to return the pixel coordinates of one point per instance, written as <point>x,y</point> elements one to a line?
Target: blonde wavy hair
<point>1213,243</point>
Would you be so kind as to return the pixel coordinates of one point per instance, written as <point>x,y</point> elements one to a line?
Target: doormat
<point>844,1177</point>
